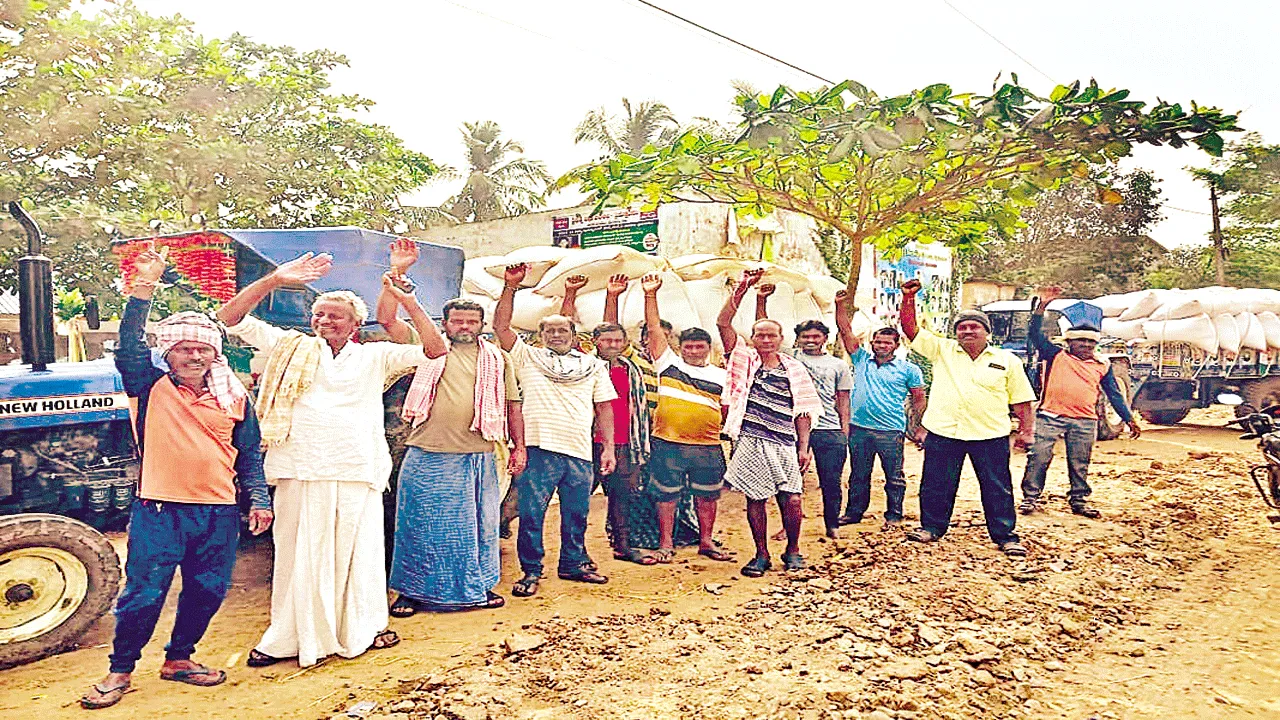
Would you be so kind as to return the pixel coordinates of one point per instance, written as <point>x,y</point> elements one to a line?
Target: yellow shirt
<point>970,398</point>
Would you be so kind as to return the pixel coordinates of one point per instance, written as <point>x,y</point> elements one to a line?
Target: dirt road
<point>1165,608</point>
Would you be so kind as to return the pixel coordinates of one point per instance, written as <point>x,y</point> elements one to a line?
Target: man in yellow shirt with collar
<point>974,385</point>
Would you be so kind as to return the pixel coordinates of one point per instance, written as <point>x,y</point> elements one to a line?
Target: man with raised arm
<point>687,454</point>
<point>770,406</point>
<point>464,399</point>
<point>564,391</point>
<point>829,437</point>
<point>878,421</point>
<point>1072,382</point>
<point>198,437</point>
<point>320,408</point>
<point>974,385</point>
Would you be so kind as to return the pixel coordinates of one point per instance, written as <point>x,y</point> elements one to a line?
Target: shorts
<point>761,469</point>
<point>675,467</point>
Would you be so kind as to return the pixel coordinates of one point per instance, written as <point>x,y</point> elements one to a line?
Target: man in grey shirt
<point>833,380</point>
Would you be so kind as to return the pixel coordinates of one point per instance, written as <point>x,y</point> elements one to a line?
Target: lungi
<point>328,590</point>
<point>446,544</point>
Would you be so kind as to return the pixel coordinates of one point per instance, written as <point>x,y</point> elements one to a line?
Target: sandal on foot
<point>403,607</point>
<point>793,561</point>
<point>850,520</point>
<point>1013,548</point>
<point>526,586</point>
<point>664,556</point>
<point>1028,506</point>
<point>1085,510</point>
<point>921,535</point>
<point>199,676</point>
<point>261,659</point>
<point>757,567</point>
<point>384,640</point>
<point>105,698</point>
<point>635,556</point>
<point>714,554</point>
<point>583,575</point>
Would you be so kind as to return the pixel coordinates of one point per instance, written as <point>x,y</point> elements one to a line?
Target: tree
<point>649,123</point>
<point>501,182</point>
<point>932,165</point>
<point>111,122</point>
<point>1072,239</point>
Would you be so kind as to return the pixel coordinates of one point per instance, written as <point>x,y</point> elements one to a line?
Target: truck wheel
<point>1109,423</point>
<point>1258,394</point>
<point>1165,417</point>
<point>57,576</point>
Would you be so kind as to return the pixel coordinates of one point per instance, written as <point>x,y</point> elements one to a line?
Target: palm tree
<point>648,123</point>
<point>501,181</point>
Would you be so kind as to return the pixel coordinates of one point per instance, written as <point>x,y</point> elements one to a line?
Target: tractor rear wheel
<point>57,576</point>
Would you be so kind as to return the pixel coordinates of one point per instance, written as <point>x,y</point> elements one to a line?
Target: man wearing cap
<point>1068,409</point>
<point>198,437</point>
<point>974,385</point>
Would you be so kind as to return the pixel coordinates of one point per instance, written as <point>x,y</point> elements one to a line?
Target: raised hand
<point>749,278</point>
<point>842,297</point>
<point>911,287</point>
<point>514,275</point>
<point>651,283</point>
<point>1049,294</point>
<point>765,290</point>
<point>302,270</point>
<point>574,283</point>
<point>399,286</point>
<point>404,253</point>
<point>617,284</point>
<point>150,265</point>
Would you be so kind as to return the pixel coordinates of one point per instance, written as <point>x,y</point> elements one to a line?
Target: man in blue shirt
<point>878,418</point>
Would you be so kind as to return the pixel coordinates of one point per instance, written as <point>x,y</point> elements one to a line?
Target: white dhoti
<point>329,587</point>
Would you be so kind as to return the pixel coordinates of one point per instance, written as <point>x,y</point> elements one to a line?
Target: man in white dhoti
<point>320,408</point>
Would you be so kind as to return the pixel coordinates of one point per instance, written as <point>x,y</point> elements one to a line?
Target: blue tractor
<point>68,463</point>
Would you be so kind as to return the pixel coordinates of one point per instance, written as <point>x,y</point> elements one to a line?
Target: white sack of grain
<point>529,308</point>
<point>674,306</point>
<point>1178,308</point>
<point>1251,334</point>
<point>539,258</point>
<point>478,281</point>
<point>1143,305</point>
<point>1228,333</point>
<point>598,264</point>
<point>1270,323</point>
<point>707,297</point>
<point>1198,331</point>
<point>1122,330</point>
<point>1113,306</point>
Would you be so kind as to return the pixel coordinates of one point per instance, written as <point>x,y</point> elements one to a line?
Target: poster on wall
<point>633,228</point>
<point>931,265</point>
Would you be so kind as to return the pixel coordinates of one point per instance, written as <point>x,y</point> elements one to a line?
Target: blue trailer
<point>68,463</point>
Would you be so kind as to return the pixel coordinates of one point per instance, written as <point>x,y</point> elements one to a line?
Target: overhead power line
<point>743,45</point>
<point>1000,42</point>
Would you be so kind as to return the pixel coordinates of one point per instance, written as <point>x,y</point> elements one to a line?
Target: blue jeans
<point>1079,434</point>
<point>200,539</point>
<point>830,451</point>
<point>865,445</point>
<point>943,461</point>
<point>547,473</point>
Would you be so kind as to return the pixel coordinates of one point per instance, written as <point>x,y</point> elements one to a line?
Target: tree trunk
<point>1219,252</point>
<point>855,269</point>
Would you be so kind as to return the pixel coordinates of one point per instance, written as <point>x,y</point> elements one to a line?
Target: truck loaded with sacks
<point>1177,350</point>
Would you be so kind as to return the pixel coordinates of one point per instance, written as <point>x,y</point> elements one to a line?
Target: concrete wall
<point>976,293</point>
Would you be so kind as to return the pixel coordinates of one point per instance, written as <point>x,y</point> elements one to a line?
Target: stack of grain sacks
<point>1220,321</point>
<point>694,288</point>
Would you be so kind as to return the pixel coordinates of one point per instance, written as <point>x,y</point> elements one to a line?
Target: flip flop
<point>105,699</point>
<point>261,659</point>
<point>664,555</point>
<point>794,561</point>
<point>635,556</point>
<point>492,601</point>
<point>715,554</point>
<point>757,567</point>
<point>921,535</point>
<point>584,576</point>
<point>526,586</point>
<point>403,607</point>
<point>384,640</point>
<point>190,676</point>
<point>1013,548</point>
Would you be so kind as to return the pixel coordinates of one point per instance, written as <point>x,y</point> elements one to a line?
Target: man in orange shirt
<point>1068,409</point>
<point>199,441</point>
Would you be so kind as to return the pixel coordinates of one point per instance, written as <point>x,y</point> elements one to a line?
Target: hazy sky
<point>537,67</point>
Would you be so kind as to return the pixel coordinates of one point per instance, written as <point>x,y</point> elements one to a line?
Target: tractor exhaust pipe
<point>35,295</point>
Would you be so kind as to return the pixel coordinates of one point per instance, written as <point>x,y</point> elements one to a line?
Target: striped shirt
<point>640,357</point>
<point>558,417</point>
<point>769,408</point>
<point>688,401</point>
